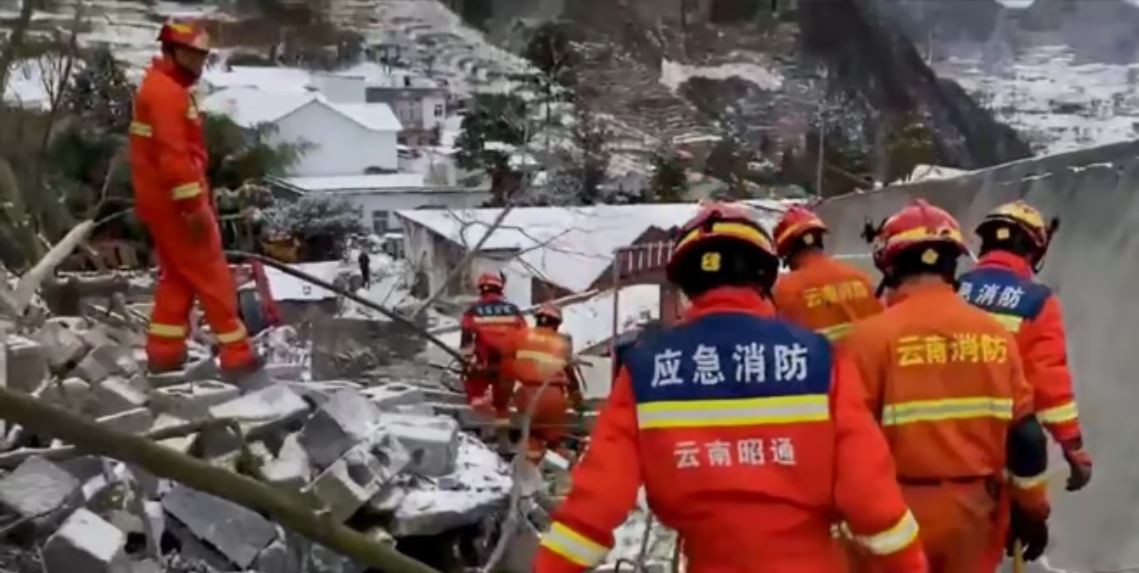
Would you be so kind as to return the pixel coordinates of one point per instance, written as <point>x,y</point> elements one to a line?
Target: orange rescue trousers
<point>188,271</point>
<point>550,418</point>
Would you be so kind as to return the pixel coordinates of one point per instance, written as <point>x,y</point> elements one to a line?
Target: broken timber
<point>287,509</point>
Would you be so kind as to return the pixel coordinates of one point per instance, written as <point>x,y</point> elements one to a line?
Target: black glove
<point>1079,464</point>
<point>1030,531</point>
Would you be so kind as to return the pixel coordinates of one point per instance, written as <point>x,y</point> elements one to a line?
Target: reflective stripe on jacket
<point>491,325</point>
<point>825,295</point>
<point>540,354</point>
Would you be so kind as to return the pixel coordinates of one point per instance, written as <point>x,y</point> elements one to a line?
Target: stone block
<point>136,421</point>
<point>193,400</point>
<point>285,372</point>
<point>27,365</point>
<point>264,411</point>
<point>278,558</point>
<point>238,533</point>
<point>41,491</point>
<point>467,417</point>
<point>443,396</point>
<point>181,444</point>
<point>116,394</point>
<point>321,392</point>
<point>389,397</point>
<point>387,500</point>
<point>390,452</point>
<point>433,442</point>
<point>291,468</point>
<point>348,483</point>
<point>75,395</point>
<point>103,362</point>
<point>345,420</point>
<point>87,543</point>
<point>62,346</point>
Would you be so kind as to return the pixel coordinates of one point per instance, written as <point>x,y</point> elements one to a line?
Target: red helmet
<point>550,312</point>
<point>1023,216</point>
<point>186,34</point>
<point>719,221</point>
<point>918,224</point>
<point>491,281</point>
<point>796,222</point>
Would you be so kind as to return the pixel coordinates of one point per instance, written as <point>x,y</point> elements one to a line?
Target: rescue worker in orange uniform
<point>1014,240</point>
<point>819,293</point>
<point>172,197</point>
<point>489,327</point>
<point>542,357</point>
<point>749,434</point>
<point>946,383</point>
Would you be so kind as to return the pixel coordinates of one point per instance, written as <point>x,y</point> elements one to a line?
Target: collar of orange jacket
<point>729,299</point>
<point>1009,261</point>
<point>168,66</point>
<point>932,288</point>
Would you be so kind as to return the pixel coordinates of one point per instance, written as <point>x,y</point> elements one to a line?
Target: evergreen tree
<point>669,183</point>
<point>100,93</point>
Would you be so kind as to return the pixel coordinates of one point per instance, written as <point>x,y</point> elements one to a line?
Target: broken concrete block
<point>75,393</point>
<point>180,444</point>
<point>41,491</point>
<point>291,469</point>
<point>86,543</point>
<point>390,452</point>
<point>387,500</point>
<point>285,372</point>
<point>387,398</point>
<point>414,409</point>
<point>349,483</point>
<point>103,362</point>
<point>467,417</point>
<point>262,412</point>
<point>136,421</point>
<point>320,392</point>
<point>63,347</point>
<point>194,399</point>
<point>433,441</point>
<point>342,422</point>
<point>238,533</point>
<point>27,364</point>
<point>278,558</point>
<point>116,394</point>
<point>443,396</point>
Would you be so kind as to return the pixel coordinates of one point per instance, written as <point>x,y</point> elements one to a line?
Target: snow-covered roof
<point>346,183</point>
<point>567,246</point>
<point>287,287</point>
<point>934,172</point>
<point>273,79</point>
<point>249,106</point>
<point>377,75</point>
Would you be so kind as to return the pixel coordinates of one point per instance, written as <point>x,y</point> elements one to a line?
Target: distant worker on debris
<point>489,328</point>
<point>172,197</point>
<point>365,263</point>
<point>947,385</point>
<point>820,292</point>
<point>1014,240</point>
<point>748,433</point>
<point>543,356</point>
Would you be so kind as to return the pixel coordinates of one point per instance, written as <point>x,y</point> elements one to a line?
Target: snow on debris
<point>348,183</point>
<point>248,106</point>
<point>674,74</point>
<point>25,86</point>
<point>269,79</point>
<point>287,287</point>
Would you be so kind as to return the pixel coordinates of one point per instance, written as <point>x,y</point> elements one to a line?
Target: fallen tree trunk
<point>283,507</point>
<point>31,281</point>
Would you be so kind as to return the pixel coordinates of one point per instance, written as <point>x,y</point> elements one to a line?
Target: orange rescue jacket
<point>946,383</point>
<point>1002,284</point>
<point>825,295</point>
<point>490,325</point>
<point>750,437</point>
<point>167,145</point>
<point>541,354</point>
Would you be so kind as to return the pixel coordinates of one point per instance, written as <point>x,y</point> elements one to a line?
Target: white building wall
<point>340,89</point>
<point>434,111</point>
<point>340,146</point>
<point>425,252</point>
<point>381,206</point>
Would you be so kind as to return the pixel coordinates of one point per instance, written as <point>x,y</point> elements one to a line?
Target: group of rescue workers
<point>803,423</point>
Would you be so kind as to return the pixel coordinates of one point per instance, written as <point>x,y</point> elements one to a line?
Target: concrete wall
<point>1094,267</point>
<point>340,145</point>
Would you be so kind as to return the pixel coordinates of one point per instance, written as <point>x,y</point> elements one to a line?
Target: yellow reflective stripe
<point>739,412</point>
<point>167,330</point>
<point>575,547</point>
<point>186,191</point>
<point>1059,414</point>
<point>836,332</point>
<point>1010,322</point>
<point>541,357</point>
<point>141,129</point>
<point>738,230</point>
<point>893,540</point>
<point>231,337</point>
<point>1030,482</point>
<point>948,409</point>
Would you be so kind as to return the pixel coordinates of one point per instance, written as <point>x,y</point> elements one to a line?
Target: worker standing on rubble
<point>1014,240</point>
<point>542,356</point>
<point>947,385</point>
<point>489,327</point>
<point>172,197</point>
<point>820,292</point>
<point>748,433</point>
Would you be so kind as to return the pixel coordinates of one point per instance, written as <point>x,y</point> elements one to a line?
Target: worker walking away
<point>1014,240</point>
<point>489,327</point>
<point>542,357</point>
<point>365,263</point>
<point>819,293</point>
<point>749,434</point>
<point>947,385</point>
<point>172,197</point>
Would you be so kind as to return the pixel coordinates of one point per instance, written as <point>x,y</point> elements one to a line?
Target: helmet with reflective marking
<point>798,222</point>
<point>548,314</point>
<point>919,224</point>
<point>722,239</point>
<point>493,282</point>
<point>1001,223</point>
<point>185,34</point>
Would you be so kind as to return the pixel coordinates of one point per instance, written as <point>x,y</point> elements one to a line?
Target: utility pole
<point>822,134</point>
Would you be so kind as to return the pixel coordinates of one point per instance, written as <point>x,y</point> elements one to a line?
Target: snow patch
<point>674,74</point>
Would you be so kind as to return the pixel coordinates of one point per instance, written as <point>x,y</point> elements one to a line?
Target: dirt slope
<point>1094,267</point>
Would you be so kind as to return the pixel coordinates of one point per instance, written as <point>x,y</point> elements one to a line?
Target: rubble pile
<point>390,460</point>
